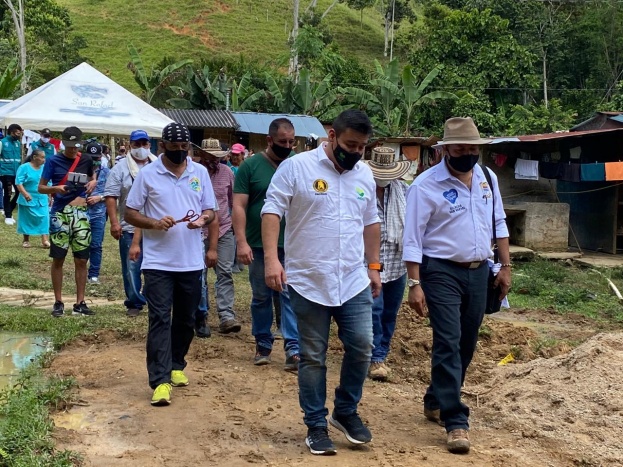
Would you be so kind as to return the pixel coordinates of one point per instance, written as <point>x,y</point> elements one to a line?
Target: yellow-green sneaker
<point>178,378</point>
<point>162,395</point>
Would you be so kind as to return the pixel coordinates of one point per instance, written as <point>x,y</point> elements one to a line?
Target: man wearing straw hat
<point>447,241</point>
<point>391,204</point>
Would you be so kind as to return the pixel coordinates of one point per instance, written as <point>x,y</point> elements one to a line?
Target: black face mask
<point>464,163</point>
<point>177,157</point>
<point>346,160</point>
<point>281,152</point>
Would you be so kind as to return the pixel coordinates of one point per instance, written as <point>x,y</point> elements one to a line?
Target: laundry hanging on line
<point>551,170</point>
<point>570,172</point>
<point>593,172</point>
<point>526,170</point>
<point>614,171</point>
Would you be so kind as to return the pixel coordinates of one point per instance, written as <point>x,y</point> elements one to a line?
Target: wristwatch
<point>413,282</point>
<point>376,267</point>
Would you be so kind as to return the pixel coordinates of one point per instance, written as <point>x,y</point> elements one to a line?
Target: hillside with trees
<point>516,67</point>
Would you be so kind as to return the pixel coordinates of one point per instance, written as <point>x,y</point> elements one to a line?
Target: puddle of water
<point>17,350</point>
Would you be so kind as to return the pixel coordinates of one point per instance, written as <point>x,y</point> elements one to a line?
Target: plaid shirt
<point>391,253</point>
<point>223,184</point>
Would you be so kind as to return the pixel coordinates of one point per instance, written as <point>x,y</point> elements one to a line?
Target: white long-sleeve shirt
<point>447,220</point>
<point>325,216</point>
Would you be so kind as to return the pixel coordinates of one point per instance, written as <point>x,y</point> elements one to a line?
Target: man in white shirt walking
<point>447,241</point>
<point>332,229</point>
<point>170,201</point>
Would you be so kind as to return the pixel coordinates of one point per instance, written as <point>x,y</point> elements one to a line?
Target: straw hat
<point>459,130</point>
<point>384,165</point>
<point>213,146</point>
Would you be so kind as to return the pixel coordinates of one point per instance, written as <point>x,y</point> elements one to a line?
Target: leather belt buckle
<point>474,264</point>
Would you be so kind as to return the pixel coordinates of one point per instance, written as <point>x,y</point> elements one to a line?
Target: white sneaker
<point>93,280</point>
<point>9,221</point>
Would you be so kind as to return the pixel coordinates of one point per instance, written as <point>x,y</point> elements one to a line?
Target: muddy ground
<point>555,405</point>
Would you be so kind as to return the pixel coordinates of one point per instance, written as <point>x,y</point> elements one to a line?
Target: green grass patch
<point>543,284</point>
<point>25,424</point>
<point>199,29</point>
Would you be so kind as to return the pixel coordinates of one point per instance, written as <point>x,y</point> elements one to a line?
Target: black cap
<point>94,149</point>
<point>72,137</point>
<point>46,131</point>
<point>176,133</point>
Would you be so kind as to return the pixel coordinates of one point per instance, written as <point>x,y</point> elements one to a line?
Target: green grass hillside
<point>257,29</point>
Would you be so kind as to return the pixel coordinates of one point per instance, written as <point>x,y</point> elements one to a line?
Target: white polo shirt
<point>447,220</point>
<point>157,193</point>
<point>325,216</point>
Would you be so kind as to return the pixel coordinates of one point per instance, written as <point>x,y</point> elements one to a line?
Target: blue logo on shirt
<point>451,195</point>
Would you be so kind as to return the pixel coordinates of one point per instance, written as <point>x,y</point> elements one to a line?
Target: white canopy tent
<point>85,98</point>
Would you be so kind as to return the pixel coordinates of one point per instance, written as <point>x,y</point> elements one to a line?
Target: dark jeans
<point>384,312</point>
<point>170,334</point>
<point>354,322</point>
<point>456,299</point>
<point>131,271</point>
<point>8,203</point>
<point>262,308</point>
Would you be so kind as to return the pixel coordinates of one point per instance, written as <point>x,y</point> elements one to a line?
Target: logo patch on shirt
<point>360,193</point>
<point>194,184</point>
<point>484,185</point>
<point>321,186</point>
<point>451,195</point>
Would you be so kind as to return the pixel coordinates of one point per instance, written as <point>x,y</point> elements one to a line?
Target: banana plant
<point>10,79</point>
<point>241,96</point>
<point>200,91</point>
<point>153,81</point>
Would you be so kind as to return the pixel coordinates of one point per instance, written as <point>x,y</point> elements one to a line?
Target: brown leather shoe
<point>433,416</point>
<point>458,441</point>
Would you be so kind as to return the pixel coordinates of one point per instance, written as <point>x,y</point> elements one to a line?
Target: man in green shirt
<point>252,181</point>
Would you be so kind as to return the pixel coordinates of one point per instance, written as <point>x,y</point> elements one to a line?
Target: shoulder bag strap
<point>494,236</point>
<point>71,169</point>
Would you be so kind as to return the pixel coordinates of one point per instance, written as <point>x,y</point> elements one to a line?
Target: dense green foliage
<point>515,66</point>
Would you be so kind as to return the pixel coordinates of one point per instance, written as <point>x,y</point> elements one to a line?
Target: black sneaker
<point>58,309</point>
<point>81,309</point>
<point>318,441</point>
<point>202,329</point>
<point>352,426</point>
<point>292,363</point>
<point>262,355</point>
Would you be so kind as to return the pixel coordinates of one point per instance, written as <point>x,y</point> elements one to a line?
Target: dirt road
<point>235,414</point>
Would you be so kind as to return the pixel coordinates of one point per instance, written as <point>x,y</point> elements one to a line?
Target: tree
<point>394,11</point>
<point>395,96</point>
<point>479,54</point>
<point>157,79</point>
<point>10,80</point>
<point>539,118</point>
<point>17,13</point>
<point>360,5</point>
<point>201,91</point>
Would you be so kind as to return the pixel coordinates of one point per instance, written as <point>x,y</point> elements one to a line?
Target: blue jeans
<point>98,228</point>
<point>262,308</point>
<point>456,299</point>
<point>131,272</point>
<point>354,321</point>
<point>384,312</point>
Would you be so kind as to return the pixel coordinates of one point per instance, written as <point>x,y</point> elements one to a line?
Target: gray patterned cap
<point>176,133</point>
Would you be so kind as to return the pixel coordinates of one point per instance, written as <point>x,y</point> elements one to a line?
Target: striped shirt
<point>391,253</point>
<point>223,184</point>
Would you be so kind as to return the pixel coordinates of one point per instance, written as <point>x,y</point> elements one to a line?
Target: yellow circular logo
<point>321,186</point>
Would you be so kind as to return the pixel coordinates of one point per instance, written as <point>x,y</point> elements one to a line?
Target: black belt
<point>466,265</point>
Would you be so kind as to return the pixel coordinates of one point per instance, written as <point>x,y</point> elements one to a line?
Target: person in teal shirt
<point>34,214</point>
<point>10,160</point>
<point>43,144</point>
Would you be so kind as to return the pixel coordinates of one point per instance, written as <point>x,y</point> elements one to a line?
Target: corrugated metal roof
<point>550,136</point>
<point>258,123</point>
<point>195,118</point>
<point>617,118</point>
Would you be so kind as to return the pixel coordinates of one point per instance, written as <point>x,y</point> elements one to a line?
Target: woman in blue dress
<point>34,213</point>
